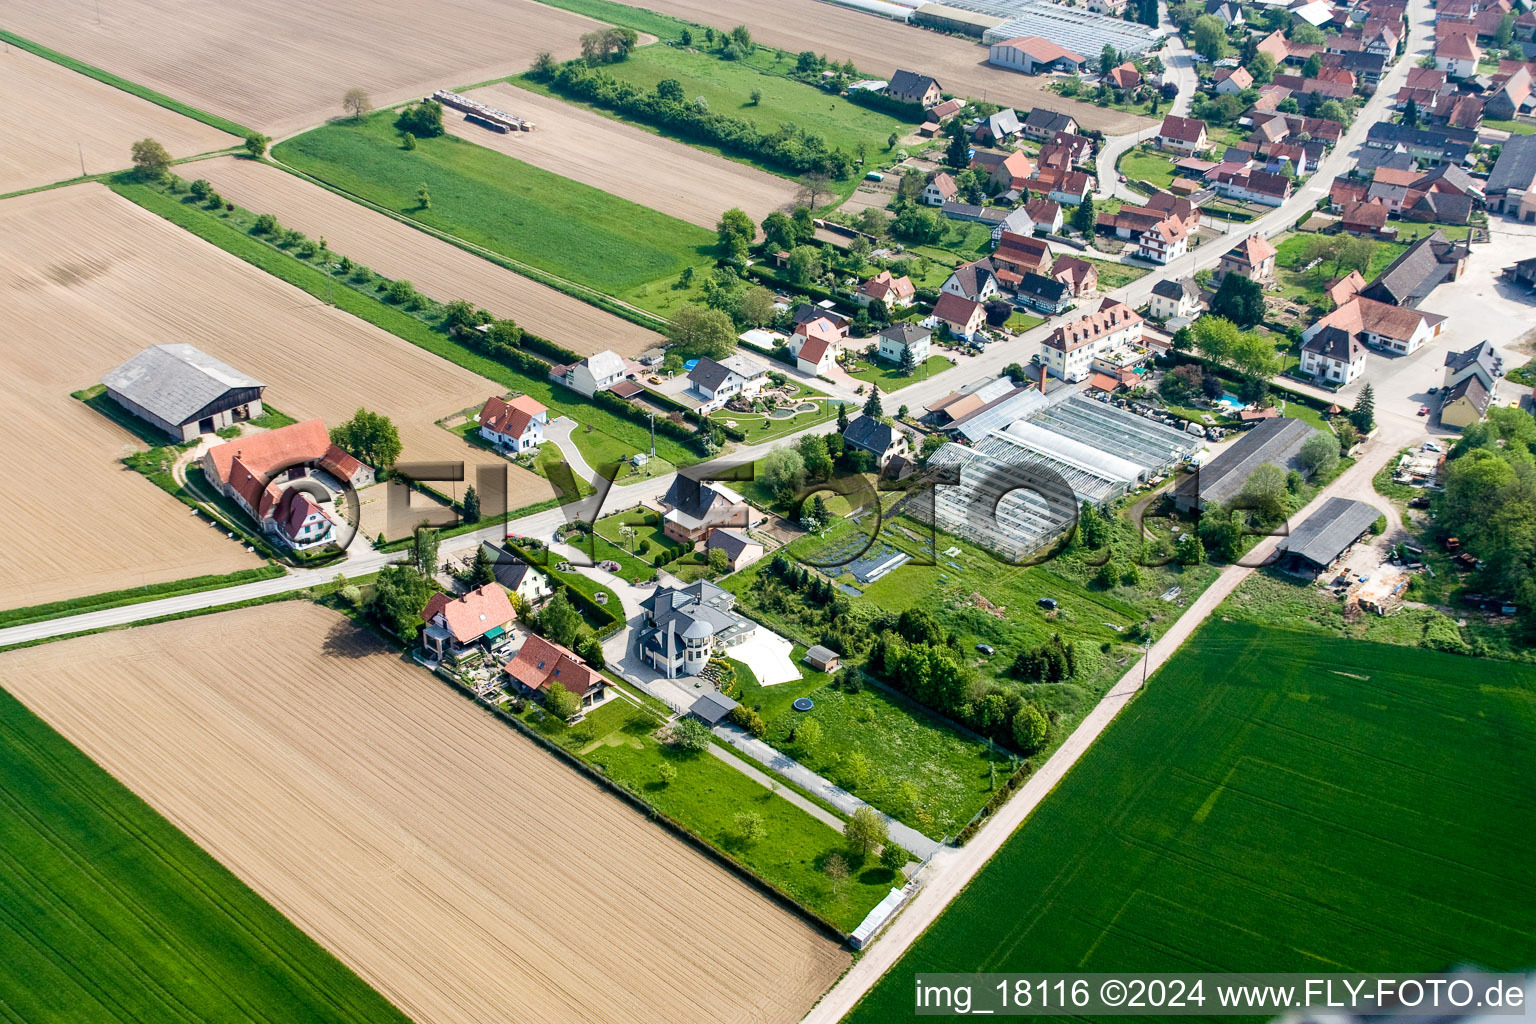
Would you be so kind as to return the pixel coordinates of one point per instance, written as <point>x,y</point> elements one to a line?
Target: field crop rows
<point>67,120</point>
<point>111,914</point>
<point>525,213</point>
<point>624,159</point>
<point>464,872</point>
<point>1278,802</point>
<point>281,67</point>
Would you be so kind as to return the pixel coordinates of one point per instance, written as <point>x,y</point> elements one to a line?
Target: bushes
<point>749,720</point>
<point>789,148</point>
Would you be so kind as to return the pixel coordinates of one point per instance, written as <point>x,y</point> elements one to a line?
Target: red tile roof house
<point>1164,241</point>
<point>1253,258</point>
<point>964,316</point>
<point>893,291</point>
<point>541,663</point>
<point>481,619</point>
<point>1367,219</point>
<point>251,470</point>
<point>1182,135</point>
<point>1399,329</point>
<point>1006,170</point>
<point>1080,276</point>
<point>1021,254</point>
<point>1125,76</point>
<point>814,346</point>
<point>516,425</point>
<point>939,190</point>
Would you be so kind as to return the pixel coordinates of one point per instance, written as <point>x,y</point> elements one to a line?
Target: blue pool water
<point>1230,400</point>
<point>690,364</point>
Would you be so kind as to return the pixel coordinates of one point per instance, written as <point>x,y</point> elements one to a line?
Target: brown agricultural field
<point>464,872</point>
<point>440,270</point>
<point>618,158</point>
<point>78,522</point>
<point>100,279</point>
<point>52,118</point>
<point>279,66</point>
<point>879,47</point>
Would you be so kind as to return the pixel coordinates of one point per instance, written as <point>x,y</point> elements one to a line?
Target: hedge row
<point>791,148</point>
<point>999,798</point>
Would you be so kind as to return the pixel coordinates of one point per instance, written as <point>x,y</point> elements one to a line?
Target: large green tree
<point>370,437</point>
<point>702,332</point>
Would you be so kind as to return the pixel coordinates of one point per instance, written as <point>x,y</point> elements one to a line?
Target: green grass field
<point>1273,802</point>
<point>705,797</point>
<point>230,231</point>
<point>111,914</point>
<point>727,87</point>
<point>1144,165</point>
<point>562,227</point>
<point>1116,275</point>
<point>1308,285</point>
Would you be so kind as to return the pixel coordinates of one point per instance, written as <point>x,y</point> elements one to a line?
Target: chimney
<point>1042,378</point>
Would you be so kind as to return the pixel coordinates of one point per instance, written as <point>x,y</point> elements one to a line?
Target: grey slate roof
<point>1473,390</point>
<point>869,433</point>
<point>694,499</point>
<point>1042,119</point>
<point>1004,123</point>
<point>697,612</point>
<point>1483,352</point>
<point>909,83</point>
<point>732,542</point>
<point>906,332</point>
<point>1182,288</point>
<point>1324,535</point>
<point>1334,343</point>
<point>1044,288</point>
<point>712,707</point>
<point>1222,479</point>
<point>709,373</point>
<point>175,381</point>
<point>1516,166</point>
<point>1410,278</point>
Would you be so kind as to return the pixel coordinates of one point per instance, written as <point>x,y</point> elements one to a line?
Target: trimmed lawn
<point>1513,127</point>
<point>1273,801</point>
<point>647,525</point>
<point>761,427</point>
<point>1151,166</point>
<point>888,376</point>
<point>112,914</point>
<point>563,227</point>
<point>1018,323</point>
<point>1409,231</point>
<point>705,797</point>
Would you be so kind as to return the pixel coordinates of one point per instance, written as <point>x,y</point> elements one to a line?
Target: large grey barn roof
<point>1325,534</point>
<point>175,381</point>
<point>1222,479</point>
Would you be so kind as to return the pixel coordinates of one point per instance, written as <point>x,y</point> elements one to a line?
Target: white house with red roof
<point>940,189</point>
<point>541,663</point>
<point>814,352</point>
<point>301,521</point>
<point>1182,135</point>
<point>1164,241</point>
<point>893,291</point>
<point>1071,349</point>
<point>251,471</point>
<point>482,618</point>
<point>515,424</point>
<point>964,316</point>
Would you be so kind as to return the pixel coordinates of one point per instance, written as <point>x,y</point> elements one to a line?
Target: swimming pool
<point>1231,401</point>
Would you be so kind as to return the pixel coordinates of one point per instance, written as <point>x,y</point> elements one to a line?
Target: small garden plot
<point>1146,164</point>
<point>1116,275</point>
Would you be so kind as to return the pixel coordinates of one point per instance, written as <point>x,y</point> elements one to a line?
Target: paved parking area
<point>768,655</point>
<point>1481,306</point>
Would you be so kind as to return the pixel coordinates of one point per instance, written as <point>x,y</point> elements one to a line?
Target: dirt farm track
<point>87,279</point>
<point>443,271</point>
<point>52,116</point>
<point>278,66</point>
<point>878,47</point>
<point>467,874</point>
<point>618,158</point>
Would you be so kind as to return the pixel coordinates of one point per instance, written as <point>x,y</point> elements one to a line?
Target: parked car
<point>1423,410</point>
<point>986,649</point>
<point>1434,390</point>
<point>1048,603</point>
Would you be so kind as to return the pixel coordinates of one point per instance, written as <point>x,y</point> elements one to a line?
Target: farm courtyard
<point>464,872</point>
